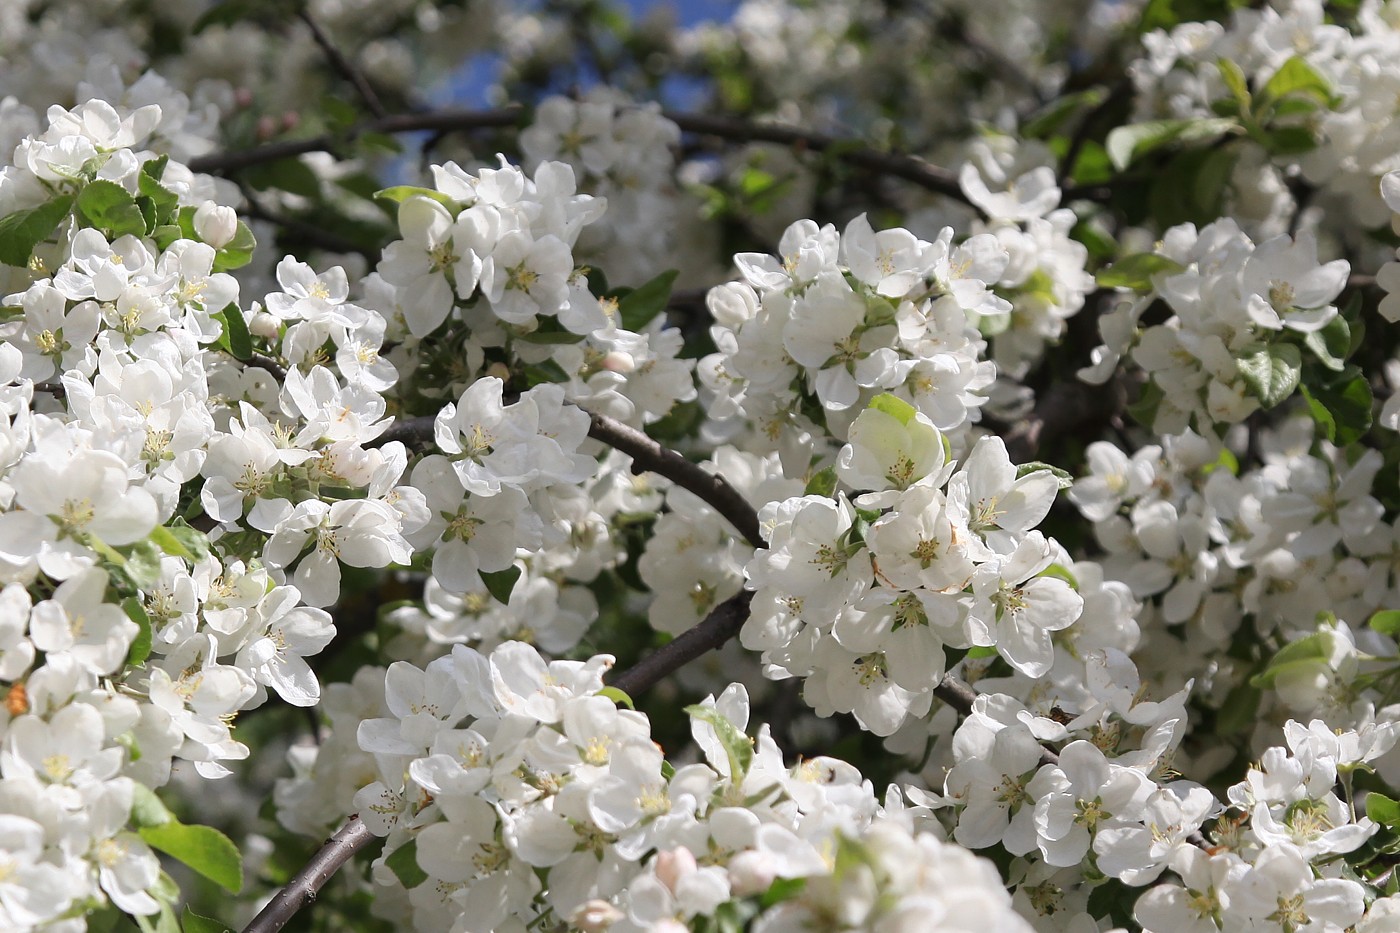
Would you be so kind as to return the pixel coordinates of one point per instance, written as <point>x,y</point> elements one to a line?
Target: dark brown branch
<point>910,168</point>
<point>647,456</point>
<point>306,883</point>
<point>278,371</point>
<point>443,120</point>
<point>711,632</point>
<point>343,65</point>
<point>650,456</point>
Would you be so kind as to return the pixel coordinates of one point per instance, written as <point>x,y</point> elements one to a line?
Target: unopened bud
<point>751,872</point>
<point>264,325</point>
<point>616,361</point>
<point>595,916</point>
<point>215,224</point>
<point>674,865</point>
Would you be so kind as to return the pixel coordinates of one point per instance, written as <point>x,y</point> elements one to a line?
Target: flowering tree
<point>854,466</point>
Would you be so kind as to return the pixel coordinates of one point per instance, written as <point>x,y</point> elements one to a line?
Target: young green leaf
<point>1272,372</point>
<point>637,308</point>
<point>203,848</point>
<point>737,746</point>
<point>500,583</point>
<point>1136,271</point>
<point>403,862</point>
<point>23,230</point>
<point>240,342</point>
<point>140,648</point>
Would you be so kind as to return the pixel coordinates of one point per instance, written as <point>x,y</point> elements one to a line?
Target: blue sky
<point>469,86</point>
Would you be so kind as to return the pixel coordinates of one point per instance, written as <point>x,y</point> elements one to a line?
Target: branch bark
<point>647,455</point>
<point>351,838</point>
<point>910,168</point>
<point>343,65</point>
<point>711,632</point>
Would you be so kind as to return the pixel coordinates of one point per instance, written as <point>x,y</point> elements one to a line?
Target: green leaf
<point>617,696</point>
<point>192,540</point>
<point>140,648</point>
<point>23,230</point>
<point>550,337</point>
<point>1136,271</point>
<point>1239,711</point>
<point>500,583</point>
<point>1296,77</point>
<point>895,407</point>
<point>737,746</point>
<point>403,862</point>
<point>203,848</point>
<point>238,252</point>
<point>1055,114</point>
<point>192,922</point>
<point>166,540</point>
<point>1272,372</point>
<point>401,193</point>
<point>1307,650</point>
<point>1062,476</point>
<point>1343,409</point>
<point>142,563</point>
<point>291,175</point>
<point>637,308</point>
<point>1127,144</point>
<point>544,371</point>
<point>1061,572</point>
<point>1237,84</point>
<point>240,342</point>
<point>822,483</point>
<point>1387,622</point>
<point>781,890</point>
<point>110,208</point>
<point>1331,344</point>
<point>1382,809</point>
<point>146,808</point>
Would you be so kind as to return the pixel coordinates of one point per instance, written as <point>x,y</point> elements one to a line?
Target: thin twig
<point>910,168</point>
<point>648,456</point>
<point>343,65</point>
<point>711,632</point>
<point>442,120</point>
<point>306,883</point>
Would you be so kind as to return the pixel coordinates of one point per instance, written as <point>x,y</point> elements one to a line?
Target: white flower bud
<point>215,224</point>
<point>264,325</point>
<point>752,872</point>
<point>595,916</point>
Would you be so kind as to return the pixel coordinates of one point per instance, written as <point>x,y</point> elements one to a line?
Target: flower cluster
<point>512,787</point>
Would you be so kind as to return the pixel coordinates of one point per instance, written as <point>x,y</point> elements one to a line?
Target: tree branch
<point>650,456</point>
<point>442,120</point>
<point>343,65</point>
<point>711,632</point>
<point>647,456</point>
<point>910,168</point>
<point>302,889</point>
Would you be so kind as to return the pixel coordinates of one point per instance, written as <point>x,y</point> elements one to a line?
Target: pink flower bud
<point>674,865</point>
